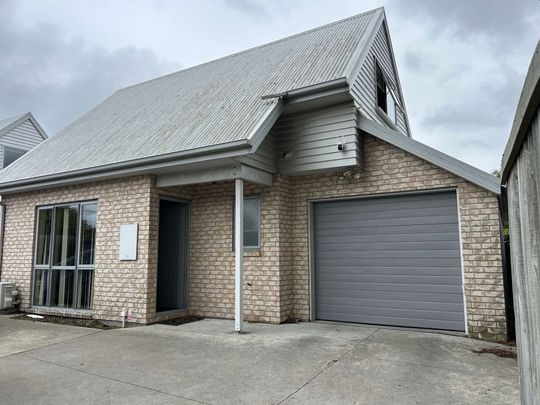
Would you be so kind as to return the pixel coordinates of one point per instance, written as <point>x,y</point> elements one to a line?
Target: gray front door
<point>391,260</point>
<point>173,253</point>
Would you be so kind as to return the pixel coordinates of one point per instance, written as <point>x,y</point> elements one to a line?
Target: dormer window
<point>386,99</point>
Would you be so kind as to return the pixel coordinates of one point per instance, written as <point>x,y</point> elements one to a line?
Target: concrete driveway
<point>204,362</point>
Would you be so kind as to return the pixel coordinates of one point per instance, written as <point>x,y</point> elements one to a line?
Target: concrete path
<point>204,362</point>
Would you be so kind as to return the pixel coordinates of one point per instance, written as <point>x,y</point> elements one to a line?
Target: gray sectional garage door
<point>391,260</point>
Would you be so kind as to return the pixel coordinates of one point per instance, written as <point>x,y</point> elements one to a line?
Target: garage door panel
<point>388,303</point>
<point>389,254</point>
<point>396,230</point>
<point>394,321</point>
<point>410,214</point>
<point>352,222</point>
<point>389,260</point>
<point>386,262</point>
<point>395,270</point>
<point>369,205</point>
<point>393,287</point>
<point>395,312</point>
<point>410,296</point>
<point>381,279</point>
<point>332,246</point>
<point>389,238</point>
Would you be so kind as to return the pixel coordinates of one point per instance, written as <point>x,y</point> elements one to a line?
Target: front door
<point>173,254</point>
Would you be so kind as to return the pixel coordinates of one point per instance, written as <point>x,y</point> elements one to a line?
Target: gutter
<point>131,167</point>
<point>304,91</point>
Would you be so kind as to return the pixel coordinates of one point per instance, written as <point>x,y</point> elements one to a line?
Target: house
<point>521,173</point>
<point>18,135</point>
<point>279,182</point>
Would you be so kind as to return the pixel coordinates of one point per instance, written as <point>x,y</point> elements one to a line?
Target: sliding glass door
<point>65,251</point>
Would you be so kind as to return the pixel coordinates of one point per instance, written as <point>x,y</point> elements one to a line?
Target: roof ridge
<point>372,11</point>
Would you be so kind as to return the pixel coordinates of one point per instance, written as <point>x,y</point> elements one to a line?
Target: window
<point>64,255</point>
<point>11,155</point>
<point>386,99</point>
<point>252,222</point>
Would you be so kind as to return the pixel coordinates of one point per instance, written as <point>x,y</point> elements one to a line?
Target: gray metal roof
<point>216,103</point>
<point>427,153</point>
<point>529,102</point>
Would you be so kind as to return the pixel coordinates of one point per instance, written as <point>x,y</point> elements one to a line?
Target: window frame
<point>49,267</point>
<point>387,91</point>
<point>249,248</point>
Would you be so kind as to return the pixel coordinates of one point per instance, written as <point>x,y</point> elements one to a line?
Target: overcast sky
<point>462,63</point>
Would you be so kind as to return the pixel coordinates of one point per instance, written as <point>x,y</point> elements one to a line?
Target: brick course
<point>276,278</point>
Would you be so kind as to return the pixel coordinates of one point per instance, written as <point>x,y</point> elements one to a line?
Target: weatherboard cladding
<point>363,88</point>
<point>265,156</point>
<point>210,104</point>
<point>307,141</point>
<point>8,121</point>
<point>24,136</point>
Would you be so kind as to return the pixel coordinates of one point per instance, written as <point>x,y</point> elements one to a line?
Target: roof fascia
<point>442,160</point>
<point>38,126</point>
<point>266,123</point>
<point>394,64</point>
<point>304,91</point>
<point>14,124</point>
<point>359,55</point>
<point>130,168</point>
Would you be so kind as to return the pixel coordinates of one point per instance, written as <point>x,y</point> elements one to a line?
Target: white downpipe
<point>238,254</point>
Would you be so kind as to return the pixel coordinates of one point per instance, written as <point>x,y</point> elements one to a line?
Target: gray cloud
<point>249,7</point>
<point>502,20</point>
<point>464,65</point>
<point>59,79</point>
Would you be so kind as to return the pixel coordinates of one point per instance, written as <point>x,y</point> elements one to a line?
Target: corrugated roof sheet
<point>209,104</point>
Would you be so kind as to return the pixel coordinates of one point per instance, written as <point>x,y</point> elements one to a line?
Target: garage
<point>392,260</point>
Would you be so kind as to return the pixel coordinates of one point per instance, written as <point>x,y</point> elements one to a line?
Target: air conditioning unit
<point>7,295</point>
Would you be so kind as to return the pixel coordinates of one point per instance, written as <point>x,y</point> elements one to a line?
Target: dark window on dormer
<point>12,154</point>
<point>381,90</point>
<point>386,100</point>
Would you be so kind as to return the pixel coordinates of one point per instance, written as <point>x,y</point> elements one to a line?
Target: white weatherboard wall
<point>364,88</point>
<point>24,136</point>
<point>307,141</point>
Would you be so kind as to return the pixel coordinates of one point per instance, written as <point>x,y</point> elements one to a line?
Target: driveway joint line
<point>118,380</point>
<point>330,364</point>
<point>52,344</point>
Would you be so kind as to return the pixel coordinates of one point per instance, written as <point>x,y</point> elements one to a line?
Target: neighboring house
<point>521,173</point>
<point>18,135</point>
<point>299,154</point>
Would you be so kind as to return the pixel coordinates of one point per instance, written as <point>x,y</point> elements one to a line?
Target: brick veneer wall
<point>276,278</point>
<point>118,284</point>
<point>388,169</point>
<point>267,295</point>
